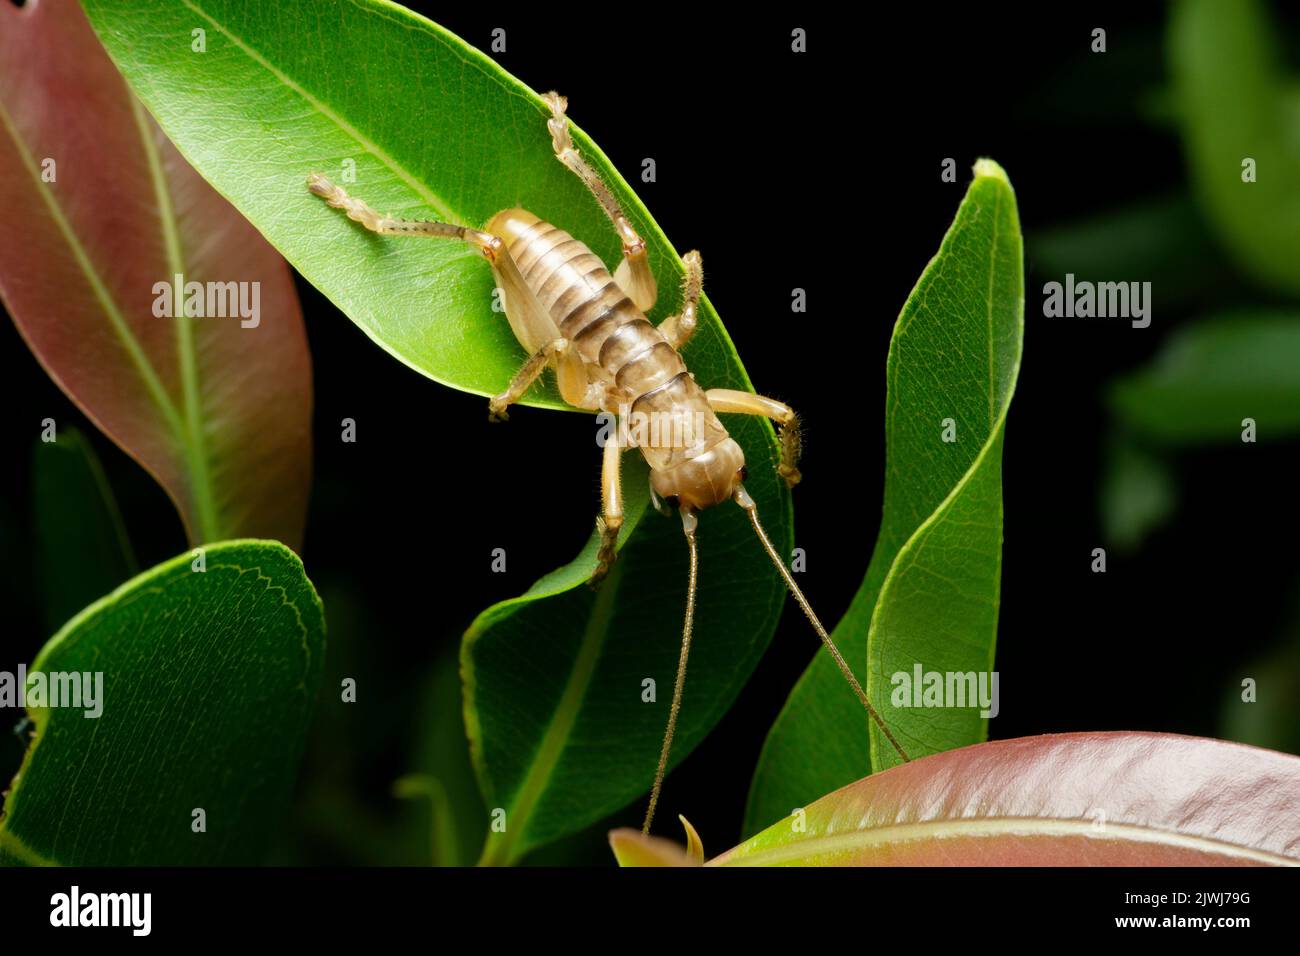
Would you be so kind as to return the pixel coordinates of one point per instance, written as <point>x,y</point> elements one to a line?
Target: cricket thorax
<point>664,412</point>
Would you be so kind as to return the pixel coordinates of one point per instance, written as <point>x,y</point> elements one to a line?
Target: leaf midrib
<point>552,745</point>
<point>195,444</point>
<point>187,431</point>
<point>997,424</point>
<point>429,197</point>
<point>993,827</point>
<point>993,271</point>
<point>141,361</point>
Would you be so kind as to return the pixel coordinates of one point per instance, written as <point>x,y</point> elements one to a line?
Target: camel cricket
<point>569,313</point>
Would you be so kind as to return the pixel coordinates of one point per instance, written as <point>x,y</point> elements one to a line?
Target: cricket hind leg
<point>689,524</point>
<point>633,274</point>
<point>492,247</point>
<point>532,326</point>
<point>524,378</point>
<point>787,424</point>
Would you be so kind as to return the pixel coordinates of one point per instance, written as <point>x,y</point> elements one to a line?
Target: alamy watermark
<point>651,429</point>
<point>955,689</point>
<point>74,908</point>
<point>209,300</point>
<point>1101,300</point>
<point>82,690</point>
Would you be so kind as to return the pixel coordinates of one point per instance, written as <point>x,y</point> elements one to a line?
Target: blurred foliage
<point>1235,107</point>
<point>76,514</point>
<point>1272,718</point>
<point>1165,241</point>
<point>1211,376</point>
<point>1138,494</point>
<point>1222,251</point>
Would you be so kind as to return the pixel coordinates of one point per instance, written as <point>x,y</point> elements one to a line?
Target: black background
<point>819,171</point>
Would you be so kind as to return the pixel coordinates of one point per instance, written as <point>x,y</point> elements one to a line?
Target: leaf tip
<point>986,168</point>
<point>694,845</point>
<point>634,848</point>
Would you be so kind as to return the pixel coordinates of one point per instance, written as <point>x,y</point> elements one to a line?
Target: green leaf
<point>209,680</point>
<point>435,128</point>
<point>561,736</point>
<point>101,215</point>
<point>930,596</point>
<point>1211,376</point>
<point>82,549</point>
<point>1233,99</point>
<point>1086,799</point>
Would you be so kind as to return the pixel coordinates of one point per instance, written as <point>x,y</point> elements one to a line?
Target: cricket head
<point>708,479</point>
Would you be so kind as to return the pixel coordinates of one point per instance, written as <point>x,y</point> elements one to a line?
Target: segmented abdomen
<point>615,339</point>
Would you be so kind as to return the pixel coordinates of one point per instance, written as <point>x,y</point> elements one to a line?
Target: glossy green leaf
<point>1211,376</point>
<point>209,680</point>
<point>1086,799</point>
<point>431,127</point>
<point>561,735</point>
<point>930,596</point>
<point>436,129</point>
<point>100,211</point>
<point>82,549</point>
<point>1233,97</point>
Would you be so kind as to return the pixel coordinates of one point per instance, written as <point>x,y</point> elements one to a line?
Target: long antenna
<point>689,524</point>
<point>745,501</point>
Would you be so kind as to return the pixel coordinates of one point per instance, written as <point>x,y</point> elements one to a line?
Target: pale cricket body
<point>569,313</point>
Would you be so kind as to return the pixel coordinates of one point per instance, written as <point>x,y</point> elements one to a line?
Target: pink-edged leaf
<point>1085,799</point>
<point>99,208</point>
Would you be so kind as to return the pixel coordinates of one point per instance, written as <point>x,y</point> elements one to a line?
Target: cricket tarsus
<point>689,523</point>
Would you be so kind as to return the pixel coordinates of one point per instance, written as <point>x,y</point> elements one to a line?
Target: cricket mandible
<point>570,314</point>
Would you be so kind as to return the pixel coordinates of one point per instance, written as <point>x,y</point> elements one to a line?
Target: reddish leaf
<point>1088,799</point>
<point>218,409</point>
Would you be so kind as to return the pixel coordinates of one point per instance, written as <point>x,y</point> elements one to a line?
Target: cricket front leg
<point>490,246</point>
<point>610,521</point>
<point>787,424</point>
